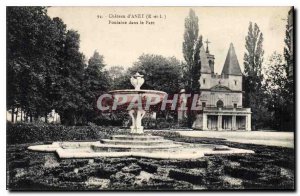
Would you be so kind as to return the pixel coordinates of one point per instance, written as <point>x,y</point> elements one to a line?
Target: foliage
<point>280,87</point>
<point>46,70</point>
<point>69,81</point>
<point>117,75</point>
<point>160,73</point>
<point>95,83</point>
<point>191,50</point>
<point>281,97</point>
<point>288,49</point>
<point>19,133</point>
<point>290,63</point>
<point>255,93</point>
<point>32,39</point>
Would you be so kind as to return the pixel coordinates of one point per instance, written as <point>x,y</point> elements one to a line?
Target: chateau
<point>222,95</point>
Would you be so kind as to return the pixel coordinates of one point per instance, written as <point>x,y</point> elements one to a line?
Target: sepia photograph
<point>198,98</point>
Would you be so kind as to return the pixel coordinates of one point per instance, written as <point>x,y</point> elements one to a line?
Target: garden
<point>268,168</point>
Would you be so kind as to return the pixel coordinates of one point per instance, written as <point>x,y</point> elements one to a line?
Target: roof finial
<point>207,42</point>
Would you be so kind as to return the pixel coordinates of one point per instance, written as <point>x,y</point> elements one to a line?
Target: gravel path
<point>269,138</point>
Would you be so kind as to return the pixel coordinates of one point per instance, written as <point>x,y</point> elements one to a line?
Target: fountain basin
<point>126,146</point>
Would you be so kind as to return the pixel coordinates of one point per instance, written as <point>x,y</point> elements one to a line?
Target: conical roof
<point>204,61</point>
<point>231,65</point>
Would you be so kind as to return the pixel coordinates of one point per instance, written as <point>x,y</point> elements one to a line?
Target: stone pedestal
<point>137,116</point>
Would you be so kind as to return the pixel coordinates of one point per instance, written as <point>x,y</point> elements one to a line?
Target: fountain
<point>136,143</point>
<point>137,113</point>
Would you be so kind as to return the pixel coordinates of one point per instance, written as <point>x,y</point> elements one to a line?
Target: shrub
<point>147,166</point>
<point>185,163</point>
<point>73,177</point>
<point>188,176</point>
<point>242,172</point>
<point>132,168</point>
<point>31,133</point>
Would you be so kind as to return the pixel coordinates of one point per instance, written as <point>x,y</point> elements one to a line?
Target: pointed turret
<point>204,61</point>
<point>231,65</point>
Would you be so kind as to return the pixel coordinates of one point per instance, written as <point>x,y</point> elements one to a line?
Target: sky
<point>122,44</point>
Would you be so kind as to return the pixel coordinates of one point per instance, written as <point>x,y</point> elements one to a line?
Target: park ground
<point>271,167</point>
<point>270,138</point>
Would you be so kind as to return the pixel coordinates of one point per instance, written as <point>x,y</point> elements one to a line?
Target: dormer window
<point>203,81</point>
<point>235,82</point>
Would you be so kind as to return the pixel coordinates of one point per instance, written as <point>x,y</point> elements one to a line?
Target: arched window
<point>220,104</point>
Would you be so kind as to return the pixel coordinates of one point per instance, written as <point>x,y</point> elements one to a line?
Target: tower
<point>221,95</point>
<point>210,57</point>
<point>232,70</point>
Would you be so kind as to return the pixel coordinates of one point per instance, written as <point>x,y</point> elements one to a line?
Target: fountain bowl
<point>145,94</point>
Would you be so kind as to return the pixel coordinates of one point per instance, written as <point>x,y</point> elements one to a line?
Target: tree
<point>191,50</point>
<point>95,83</point>
<point>276,82</point>
<point>69,81</point>
<point>116,75</point>
<point>253,78</point>
<point>31,50</point>
<point>46,70</point>
<point>160,73</point>
<point>289,64</point>
<point>288,50</point>
<point>280,86</point>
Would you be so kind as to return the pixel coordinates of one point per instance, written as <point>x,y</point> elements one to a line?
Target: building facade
<point>221,95</point>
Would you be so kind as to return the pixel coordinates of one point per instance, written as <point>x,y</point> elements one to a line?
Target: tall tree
<point>288,49</point>
<point>31,36</point>
<point>281,83</point>
<point>289,59</point>
<point>191,50</point>
<point>253,77</point>
<point>95,83</point>
<point>276,84</point>
<point>70,79</point>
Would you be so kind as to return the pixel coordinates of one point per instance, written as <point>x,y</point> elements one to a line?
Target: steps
<point>143,137</point>
<point>134,143</point>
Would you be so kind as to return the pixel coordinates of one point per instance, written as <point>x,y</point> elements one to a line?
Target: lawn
<point>270,167</point>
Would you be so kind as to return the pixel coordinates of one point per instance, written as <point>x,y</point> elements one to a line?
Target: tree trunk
<point>21,115</point>
<point>30,117</point>
<point>17,112</point>
<point>12,115</point>
<point>46,119</point>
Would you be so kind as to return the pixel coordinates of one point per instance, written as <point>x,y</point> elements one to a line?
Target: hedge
<point>31,133</point>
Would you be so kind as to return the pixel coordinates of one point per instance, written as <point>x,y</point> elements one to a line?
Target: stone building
<point>221,95</point>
